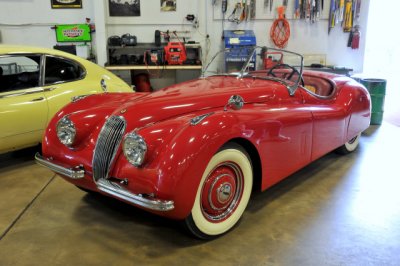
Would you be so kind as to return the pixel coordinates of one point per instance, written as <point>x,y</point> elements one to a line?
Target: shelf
<point>149,46</point>
<point>174,67</point>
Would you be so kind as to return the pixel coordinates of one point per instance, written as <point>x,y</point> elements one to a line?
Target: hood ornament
<point>123,111</point>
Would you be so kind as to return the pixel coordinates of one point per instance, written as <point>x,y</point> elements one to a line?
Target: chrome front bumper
<point>73,173</point>
<point>108,186</point>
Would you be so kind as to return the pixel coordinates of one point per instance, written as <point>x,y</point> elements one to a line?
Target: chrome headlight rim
<point>134,148</point>
<point>66,131</point>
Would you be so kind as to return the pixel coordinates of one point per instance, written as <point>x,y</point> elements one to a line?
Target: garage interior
<point>339,210</point>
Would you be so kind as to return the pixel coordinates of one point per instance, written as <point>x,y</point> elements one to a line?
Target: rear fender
<point>359,108</point>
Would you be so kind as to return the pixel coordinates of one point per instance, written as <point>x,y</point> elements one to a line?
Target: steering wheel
<point>282,66</point>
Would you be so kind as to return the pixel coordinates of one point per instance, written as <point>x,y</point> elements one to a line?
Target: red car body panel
<point>287,132</point>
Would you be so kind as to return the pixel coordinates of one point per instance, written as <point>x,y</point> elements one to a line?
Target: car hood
<point>197,96</point>
<point>193,96</point>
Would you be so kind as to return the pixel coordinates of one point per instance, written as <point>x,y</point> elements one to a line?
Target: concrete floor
<point>340,210</point>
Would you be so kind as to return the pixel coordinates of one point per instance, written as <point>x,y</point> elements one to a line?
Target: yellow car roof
<point>21,49</point>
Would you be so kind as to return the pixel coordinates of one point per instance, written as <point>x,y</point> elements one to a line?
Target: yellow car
<point>36,82</point>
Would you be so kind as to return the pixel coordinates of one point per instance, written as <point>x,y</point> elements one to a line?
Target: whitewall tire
<point>223,193</point>
<point>349,146</point>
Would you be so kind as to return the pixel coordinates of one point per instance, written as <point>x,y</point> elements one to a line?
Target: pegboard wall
<point>265,9</point>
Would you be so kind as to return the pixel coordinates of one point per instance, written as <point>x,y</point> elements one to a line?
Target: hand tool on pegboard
<point>348,16</point>
<point>238,14</point>
<point>224,6</point>
<point>266,3</point>
<point>317,9</point>
<point>356,10</point>
<point>341,11</point>
<point>296,14</point>
<point>243,14</point>
<point>332,12</point>
<point>280,29</point>
<point>252,11</point>
<point>302,9</point>
<point>313,13</point>
<point>308,9</point>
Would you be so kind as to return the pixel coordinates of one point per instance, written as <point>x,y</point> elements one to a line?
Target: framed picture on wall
<point>124,8</point>
<point>66,3</point>
<point>167,5</point>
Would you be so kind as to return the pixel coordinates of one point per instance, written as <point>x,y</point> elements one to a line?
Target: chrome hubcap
<point>222,191</point>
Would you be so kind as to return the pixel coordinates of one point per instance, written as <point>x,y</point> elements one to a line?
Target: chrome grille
<point>107,145</point>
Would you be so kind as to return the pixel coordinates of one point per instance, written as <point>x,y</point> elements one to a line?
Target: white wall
<point>305,38</point>
<point>28,22</point>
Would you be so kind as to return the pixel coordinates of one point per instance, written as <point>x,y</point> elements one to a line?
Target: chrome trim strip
<point>49,89</point>
<point>42,69</point>
<point>73,173</point>
<point>74,99</point>
<point>22,93</point>
<point>196,120</point>
<point>116,190</point>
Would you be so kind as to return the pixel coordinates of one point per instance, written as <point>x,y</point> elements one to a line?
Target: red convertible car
<point>195,151</point>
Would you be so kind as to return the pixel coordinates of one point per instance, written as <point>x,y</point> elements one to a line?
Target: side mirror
<point>235,102</point>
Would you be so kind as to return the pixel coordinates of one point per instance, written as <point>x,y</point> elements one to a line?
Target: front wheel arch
<point>255,160</point>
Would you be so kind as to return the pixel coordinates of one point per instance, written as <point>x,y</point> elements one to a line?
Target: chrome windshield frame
<point>243,73</point>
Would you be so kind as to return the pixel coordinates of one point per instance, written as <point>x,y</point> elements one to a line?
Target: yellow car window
<point>19,72</point>
<point>59,70</point>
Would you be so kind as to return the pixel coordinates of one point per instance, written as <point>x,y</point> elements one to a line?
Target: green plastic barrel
<point>377,90</point>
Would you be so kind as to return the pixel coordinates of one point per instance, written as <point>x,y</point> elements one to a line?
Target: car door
<point>288,145</point>
<point>23,108</point>
<point>329,125</point>
<point>63,79</point>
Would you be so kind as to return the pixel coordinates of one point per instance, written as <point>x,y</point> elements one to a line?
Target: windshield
<point>258,62</point>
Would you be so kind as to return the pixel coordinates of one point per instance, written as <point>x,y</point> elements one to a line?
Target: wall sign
<point>167,5</point>
<point>127,8</point>
<point>73,33</point>
<point>66,3</point>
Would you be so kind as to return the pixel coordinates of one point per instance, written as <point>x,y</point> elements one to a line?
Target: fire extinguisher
<point>354,38</point>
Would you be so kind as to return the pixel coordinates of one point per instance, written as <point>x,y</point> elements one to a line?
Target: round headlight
<point>134,149</point>
<point>66,131</point>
